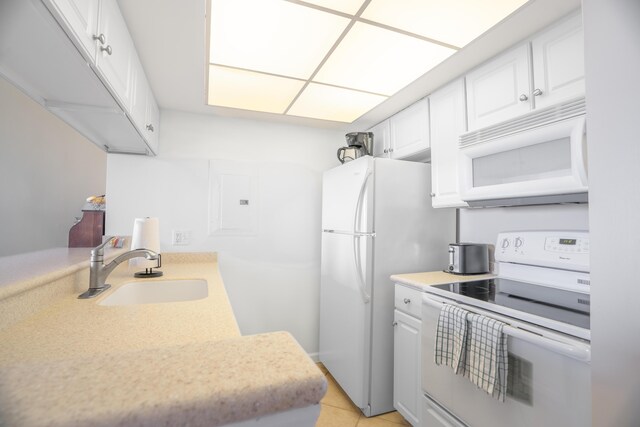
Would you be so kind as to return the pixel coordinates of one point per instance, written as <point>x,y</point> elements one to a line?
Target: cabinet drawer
<point>408,300</point>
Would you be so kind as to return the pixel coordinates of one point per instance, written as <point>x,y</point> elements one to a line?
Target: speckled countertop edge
<point>131,354</point>
<point>425,279</point>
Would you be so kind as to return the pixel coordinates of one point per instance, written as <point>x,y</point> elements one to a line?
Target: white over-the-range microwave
<point>535,159</point>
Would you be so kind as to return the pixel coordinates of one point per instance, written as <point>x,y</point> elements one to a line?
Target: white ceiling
<point>170,38</point>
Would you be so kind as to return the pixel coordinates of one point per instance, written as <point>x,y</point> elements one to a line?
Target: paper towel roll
<point>146,235</point>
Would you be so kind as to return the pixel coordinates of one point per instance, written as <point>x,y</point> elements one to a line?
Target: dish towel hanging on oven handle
<point>451,338</point>
<point>487,358</point>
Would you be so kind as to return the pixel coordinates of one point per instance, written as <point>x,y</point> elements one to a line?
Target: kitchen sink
<point>157,291</point>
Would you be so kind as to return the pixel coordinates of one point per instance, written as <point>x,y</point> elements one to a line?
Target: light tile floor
<point>337,410</point>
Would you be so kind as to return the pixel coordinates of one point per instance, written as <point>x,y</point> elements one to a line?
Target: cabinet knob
<point>523,97</point>
<point>386,150</point>
<point>537,92</point>
<point>107,49</point>
<point>101,38</point>
<point>150,127</point>
<point>391,150</point>
<point>394,324</point>
<point>432,194</point>
<point>406,300</point>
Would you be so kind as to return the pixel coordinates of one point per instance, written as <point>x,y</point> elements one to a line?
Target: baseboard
<point>314,356</point>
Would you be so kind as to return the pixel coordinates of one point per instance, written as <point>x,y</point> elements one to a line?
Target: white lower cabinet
<point>406,354</point>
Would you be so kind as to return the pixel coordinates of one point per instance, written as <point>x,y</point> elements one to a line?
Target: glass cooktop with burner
<point>559,305</point>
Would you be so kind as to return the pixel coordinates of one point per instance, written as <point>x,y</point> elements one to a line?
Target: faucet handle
<point>98,251</point>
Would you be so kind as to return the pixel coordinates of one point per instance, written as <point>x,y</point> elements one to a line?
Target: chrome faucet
<point>98,272</point>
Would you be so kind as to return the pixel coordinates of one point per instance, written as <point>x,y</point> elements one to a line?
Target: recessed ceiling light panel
<point>248,90</point>
<point>331,103</point>
<point>455,22</point>
<point>272,36</point>
<point>345,6</point>
<point>377,60</point>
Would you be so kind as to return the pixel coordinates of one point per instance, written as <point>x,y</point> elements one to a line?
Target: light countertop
<point>422,280</point>
<point>77,363</point>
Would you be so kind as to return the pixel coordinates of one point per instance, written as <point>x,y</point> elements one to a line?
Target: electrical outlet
<point>181,237</point>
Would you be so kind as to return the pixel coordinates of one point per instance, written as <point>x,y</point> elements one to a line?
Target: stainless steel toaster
<point>468,258</point>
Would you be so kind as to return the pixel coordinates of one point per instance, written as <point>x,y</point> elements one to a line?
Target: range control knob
<point>518,242</point>
<point>505,243</point>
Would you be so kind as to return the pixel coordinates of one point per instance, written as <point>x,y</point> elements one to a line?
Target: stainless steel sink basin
<point>157,291</point>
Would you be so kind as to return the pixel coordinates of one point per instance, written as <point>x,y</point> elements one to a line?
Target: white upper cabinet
<point>543,72</point>
<point>404,135</point>
<point>91,77</point>
<point>381,139</point>
<point>499,90</point>
<point>115,58</point>
<point>410,131</point>
<point>448,121</point>
<point>558,63</point>
<point>81,18</point>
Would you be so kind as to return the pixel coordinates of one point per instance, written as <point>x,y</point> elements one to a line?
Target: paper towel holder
<point>148,272</point>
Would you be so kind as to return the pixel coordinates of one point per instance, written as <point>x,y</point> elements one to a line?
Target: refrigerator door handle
<point>360,202</point>
<point>356,258</point>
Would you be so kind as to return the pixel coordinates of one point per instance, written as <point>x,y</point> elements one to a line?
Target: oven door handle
<point>578,351</point>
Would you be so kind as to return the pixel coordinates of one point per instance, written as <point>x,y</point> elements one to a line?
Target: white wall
<point>47,170</point>
<point>483,225</point>
<point>272,277</point>
<point>612,59</point>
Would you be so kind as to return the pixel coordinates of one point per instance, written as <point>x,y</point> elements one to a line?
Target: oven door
<point>548,381</point>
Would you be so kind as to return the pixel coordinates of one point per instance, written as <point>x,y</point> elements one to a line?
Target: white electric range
<point>542,293</point>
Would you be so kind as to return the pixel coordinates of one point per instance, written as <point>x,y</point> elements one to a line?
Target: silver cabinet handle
<point>150,127</point>
<point>406,300</point>
<point>523,97</point>
<point>537,92</point>
<point>101,38</point>
<point>107,49</point>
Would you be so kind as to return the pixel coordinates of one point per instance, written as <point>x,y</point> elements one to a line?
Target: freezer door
<point>345,314</point>
<point>346,191</point>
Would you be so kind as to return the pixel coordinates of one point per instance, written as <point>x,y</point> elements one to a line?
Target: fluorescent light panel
<point>455,22</point>
<point>249,90</point>
<point>272,36</point>
<point>376,60</point>
<point>333,103</point>
<point>263,52</point>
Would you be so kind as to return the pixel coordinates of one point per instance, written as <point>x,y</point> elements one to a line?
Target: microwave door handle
<point>578,149</point>
<point>578,352</point>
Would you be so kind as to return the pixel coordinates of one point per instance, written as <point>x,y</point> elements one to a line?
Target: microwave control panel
<point>559,249</point>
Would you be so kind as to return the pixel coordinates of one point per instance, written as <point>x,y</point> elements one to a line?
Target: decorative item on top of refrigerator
<point>358,144</point>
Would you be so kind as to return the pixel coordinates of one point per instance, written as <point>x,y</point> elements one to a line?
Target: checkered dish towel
<point>451,338</point>
<point>487,361</point>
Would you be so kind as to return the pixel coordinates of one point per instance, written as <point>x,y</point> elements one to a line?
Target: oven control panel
<point>559,249</point>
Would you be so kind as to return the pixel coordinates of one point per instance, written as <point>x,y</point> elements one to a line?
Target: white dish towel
<point>487,359</point>
<point>451,338</point>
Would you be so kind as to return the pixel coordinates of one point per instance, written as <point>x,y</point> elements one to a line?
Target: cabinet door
<point>81,19</point>
<point>152,122</point>
<point>406,367</point>
<point>116,66</point>
<point>499,90</point>
<point>381,139</point>
<point>558,63</point>
<point>410,130</point>
<point>448,121</point>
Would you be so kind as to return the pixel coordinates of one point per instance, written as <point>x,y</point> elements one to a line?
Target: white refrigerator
<point>377,220</point>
